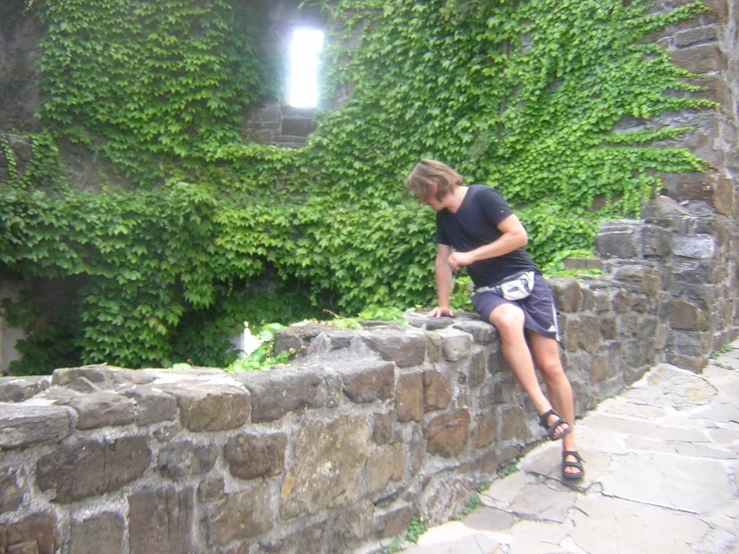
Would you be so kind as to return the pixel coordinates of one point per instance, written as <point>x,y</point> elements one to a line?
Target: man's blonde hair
<point>429,172</point>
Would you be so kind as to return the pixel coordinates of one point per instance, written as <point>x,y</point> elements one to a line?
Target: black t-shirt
<point>476,224</point>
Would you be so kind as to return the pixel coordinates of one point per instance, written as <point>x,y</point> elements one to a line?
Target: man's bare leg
<point>545,352</point>
<point>508,320</point>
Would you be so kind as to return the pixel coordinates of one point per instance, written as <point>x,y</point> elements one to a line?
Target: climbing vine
<point>526,96</point>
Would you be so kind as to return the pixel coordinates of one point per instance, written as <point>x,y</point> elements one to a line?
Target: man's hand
<point>459,259</point>
<point>439,312</point>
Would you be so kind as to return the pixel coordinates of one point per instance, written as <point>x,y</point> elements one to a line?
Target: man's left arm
<point>513,236</point>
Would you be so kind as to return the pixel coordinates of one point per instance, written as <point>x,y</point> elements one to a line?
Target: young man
<point>475,228</point>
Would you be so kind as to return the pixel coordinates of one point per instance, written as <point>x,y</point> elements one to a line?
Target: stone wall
<point>334,453</point>
<point>286,126</point>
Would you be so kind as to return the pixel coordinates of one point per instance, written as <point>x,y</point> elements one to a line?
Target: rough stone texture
<point>329,461</point>
<point>80,468</point>
<point>455,345</point>
<point>367,381</point>
<point>384,465</point>
<point>160,520</point>
<point>437,391</point>
<point>178,460</point>
<point>152,405</point>
<point>277,392</point>
<point>351,526</point>
<point>211,407</point>
<point>102,409</point>
<point>13,486</point>
<point>97,533</point>
<point>250,456</point>
<point>240,516</point>
<point>392,523</point>
<point>18,389</point>
<point>406,350</point>
<point>98,377</point>
<point>484,431</point>
<point>308,539</point>
<point>34,534</point>
<point>409,397</point>
<point>446,434</point>
<point>22,425</point>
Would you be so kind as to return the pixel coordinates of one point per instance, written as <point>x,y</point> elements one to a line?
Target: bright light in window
<point>304,51</point>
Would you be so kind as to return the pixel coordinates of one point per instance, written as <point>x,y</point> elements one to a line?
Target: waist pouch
<point>515,287</point>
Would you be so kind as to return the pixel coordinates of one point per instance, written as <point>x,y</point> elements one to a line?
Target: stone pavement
<point>662,462</point>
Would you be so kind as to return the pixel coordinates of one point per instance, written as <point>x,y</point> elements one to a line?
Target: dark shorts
<point>538,308</point>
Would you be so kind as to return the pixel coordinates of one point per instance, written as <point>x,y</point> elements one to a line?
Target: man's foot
<point>556,426</point>
<point>572,468</point>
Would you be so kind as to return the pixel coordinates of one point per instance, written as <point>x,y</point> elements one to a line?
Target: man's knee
<point>508,320</point>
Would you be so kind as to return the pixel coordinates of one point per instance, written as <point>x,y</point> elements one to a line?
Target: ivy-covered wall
<point>187,212</point>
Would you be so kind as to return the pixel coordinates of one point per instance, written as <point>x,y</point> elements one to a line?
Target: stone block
<point>641,278</point>
<point>385,464</point>
<point>433,346</point>
<point>687,316</point>
<point>566,293</point>
<point>160,520</point>
<point>697,35</point>
<point>514,424</point>
<point>303,540</point>
<point>275,393</point>
<point>210,407</point>
<point>409,397</point>
<point>102,409</point>
<point>18,389</point>
<point>250,455</point>
<point>446,434</point>
<point>98,377</point>
<point>657,242</point>
<point>608,327</point>
<point>406,350</point>
<point>97,533</point>
<point>482,332</point>
<point>22,425</point>
<point>485,429</point>
<point>351,527</point>
<point>240,516</point>
<point>476,368</point>
<point>184,458</point>
<point>455,345</point>
<point>699,247</point>
<point>392,523</point>
<point>588,336</point>
<point>621,302</point>
<point>618,239</point>
<point>34,534</point>
<point>13,487</point>
<point>211,490</point>
<point>444,494</point>
<point>152,405</point>
<point>699,59</point>
<point>367,381</point>
<point>329,460</point>
<point>298,126</point>
<point>80,468</point>
<point>382,431</point>
<point>437,390</point>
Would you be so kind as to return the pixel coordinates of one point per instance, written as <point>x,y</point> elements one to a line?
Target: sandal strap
<point>574,454</point>
<point>544,418</point>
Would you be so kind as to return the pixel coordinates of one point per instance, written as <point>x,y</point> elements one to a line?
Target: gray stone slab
<point>702,451</point>
<point>473,544</point>
<point>628,409</point>
<point>677,434</point>
<point>614,526</point>
<point>723,413</point>
<point>632,427</point>
<point>689,484</point>
<point>485,518</point>
<point>504,491</point>
<point>22,425</point>
<point>542,503</point>
<point>535,537</point>
<point>650,445</point>
<point>546,462</point>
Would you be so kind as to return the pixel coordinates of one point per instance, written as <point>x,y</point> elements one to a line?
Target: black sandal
<point>551,429</point>
<point>577,465</point>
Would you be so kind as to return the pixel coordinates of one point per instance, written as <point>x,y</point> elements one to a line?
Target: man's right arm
<point>443,281</point>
